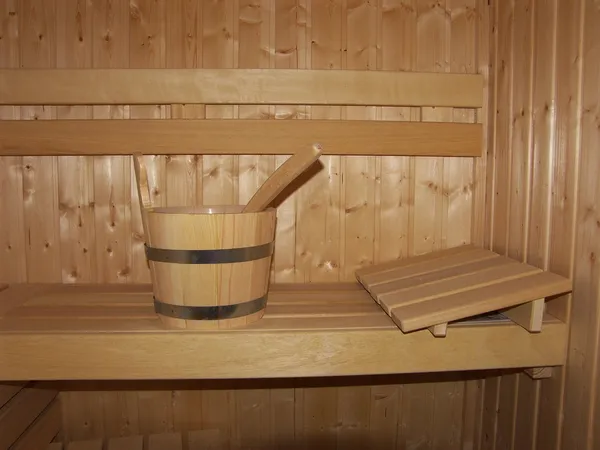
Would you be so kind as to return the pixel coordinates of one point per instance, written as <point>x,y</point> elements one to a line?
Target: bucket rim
<point>205,210</point>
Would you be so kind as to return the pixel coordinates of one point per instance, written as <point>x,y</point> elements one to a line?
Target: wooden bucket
<point>210,266</point>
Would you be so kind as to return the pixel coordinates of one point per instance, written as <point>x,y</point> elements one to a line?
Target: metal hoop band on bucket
<point>210,312</point>
<point>217,256</point>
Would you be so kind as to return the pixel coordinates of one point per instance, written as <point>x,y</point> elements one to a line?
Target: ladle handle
<point>282,177</point>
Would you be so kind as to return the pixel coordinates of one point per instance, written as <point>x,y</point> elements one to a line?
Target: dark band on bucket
<point>217,256</point>
<point>210,312</point>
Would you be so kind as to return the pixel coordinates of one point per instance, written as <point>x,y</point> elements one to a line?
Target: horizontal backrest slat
<point>242,137</point>
<point>238,86</point>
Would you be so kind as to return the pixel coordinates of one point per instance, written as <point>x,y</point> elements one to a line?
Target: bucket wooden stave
<point>210,266</point>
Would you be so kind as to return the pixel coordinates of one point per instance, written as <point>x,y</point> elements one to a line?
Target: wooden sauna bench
<point>54,332</point>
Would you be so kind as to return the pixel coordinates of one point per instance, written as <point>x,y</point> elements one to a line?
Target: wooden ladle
<point>282,177</point>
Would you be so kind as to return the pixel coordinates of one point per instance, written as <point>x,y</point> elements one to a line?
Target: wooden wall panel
<point>13,263</point>
<point>553,68</point>
<point>82,222</point>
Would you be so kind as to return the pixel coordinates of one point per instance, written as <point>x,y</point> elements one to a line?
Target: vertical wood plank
<point>447,416</point>
<point>254,53</point>
<point>82,415</point>
<point>509,388</point>
<point>433,45</point>
<point>282,402</point>
<point>252,419</point>
<point>394,194</point>
<point>13,264</point>
<point>319,212</point>
<point>458,172</point>
<point>491,123</point>
<point>288,48</point>
<point>147,40</point>
<point>184,50</point>
<point>544,117</point>
<point>120,412</point>
<point>491,403</point>
<point>289,18</point>
<point>112,180</point>
<point>38,50</point>
<point>526,416</point>
<point>521,140</point>
<point>112,215</point>
<point>581,397</point>
<point>472,414</point>
<point>218,51</point>
<point>565,163</point>
<point>74,33</point>
<point>319,410</point>
<point>353,417</point>
<point>384,416</point>
<point>187,410</point>
<point>417,417</point>
<point>481,166</point>
<point>155,411</point>
<point>76,209</point>
<point>75,173</point>
<point>358,172</point>
<point>503,131</point>
<point>183,47</point>
<point>219,411</point>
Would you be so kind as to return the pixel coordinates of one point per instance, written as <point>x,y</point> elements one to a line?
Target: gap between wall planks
<point>239,87</point>
<point>292,34</point>
<point>238,137</point>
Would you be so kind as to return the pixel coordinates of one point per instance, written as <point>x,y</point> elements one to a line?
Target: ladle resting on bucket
<point>282,177</point>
